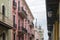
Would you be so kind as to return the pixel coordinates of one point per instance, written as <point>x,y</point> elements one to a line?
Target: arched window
<point>3,10</point>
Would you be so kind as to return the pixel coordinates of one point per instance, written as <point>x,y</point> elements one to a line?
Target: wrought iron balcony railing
<point>14,27</point>
<point>32,33</point>
<point>6,21</point>
<point>22,13</point>
<point>22,30</point>
<point>18,27</point>
<point>31,24</point>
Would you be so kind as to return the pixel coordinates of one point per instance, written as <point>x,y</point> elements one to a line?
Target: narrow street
<point>29,20</point>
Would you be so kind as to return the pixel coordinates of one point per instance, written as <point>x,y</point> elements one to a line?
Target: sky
<point>38,9</point>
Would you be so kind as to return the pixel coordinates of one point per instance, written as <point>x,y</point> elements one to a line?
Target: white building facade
<point>39,33</point>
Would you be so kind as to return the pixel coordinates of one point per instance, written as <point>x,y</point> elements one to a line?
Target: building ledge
<point>5,25</point>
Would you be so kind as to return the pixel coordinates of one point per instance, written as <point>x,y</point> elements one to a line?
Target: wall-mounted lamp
<point>50,13</point>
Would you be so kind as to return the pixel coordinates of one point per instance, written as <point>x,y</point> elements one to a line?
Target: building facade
<point>22,21</point>
<point>59,20</point>
<point>53,19</point>
<point>6,22</point>
<point>38,33</point>
<point>41,33</point>
<point>37,36</point>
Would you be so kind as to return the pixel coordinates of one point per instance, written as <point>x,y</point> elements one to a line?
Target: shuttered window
<point>4,36</point>
<point>3,10</point>
<point>18,5</point>
<point>14,36</point>
<point>14,20</point>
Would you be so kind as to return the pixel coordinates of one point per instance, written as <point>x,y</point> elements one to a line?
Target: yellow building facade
<point>56,31</point>
<point>59,20</point>
<point>56,26</point>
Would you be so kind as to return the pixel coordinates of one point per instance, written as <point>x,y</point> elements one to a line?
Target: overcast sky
<point>38,9</point>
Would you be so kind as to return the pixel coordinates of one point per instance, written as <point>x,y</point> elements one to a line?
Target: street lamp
<point>50,13</point>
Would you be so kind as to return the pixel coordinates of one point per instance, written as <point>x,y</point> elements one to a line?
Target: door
<point>2,36</point>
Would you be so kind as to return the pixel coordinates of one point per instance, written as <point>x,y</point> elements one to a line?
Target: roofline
<point>28,8</point>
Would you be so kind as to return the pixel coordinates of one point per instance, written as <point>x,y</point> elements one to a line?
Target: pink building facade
<point>22,21</point>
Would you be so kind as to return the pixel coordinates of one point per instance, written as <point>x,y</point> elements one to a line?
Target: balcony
<point>18,27</point>
<point>14,5</point>
<point>29,31</point>
<point>15,27</point>
<point>22,30</point>
<point>22,13</point>
<point>5,21</point>
<point>31,24</point>
<point>32,33</point>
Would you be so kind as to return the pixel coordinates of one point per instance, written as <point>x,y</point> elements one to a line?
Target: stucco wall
<point>8,14</point>
<point>8,7</point>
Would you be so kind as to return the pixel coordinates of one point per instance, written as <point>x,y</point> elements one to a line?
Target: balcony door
<point>30,38</point>
<point>3,12</point>
<point>2,36</point>
<point>21,37</point>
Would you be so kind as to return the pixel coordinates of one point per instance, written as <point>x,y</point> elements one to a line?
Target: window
<point>19,37</point>
<point>22,37</point>
<point>18,5</point>
<point>13,0</point>
<point>42,38</point>
<point>19,23</point>
<point>3,36</point>
<point>14,20</point>
<point>14,4</point>
<point>30,38</point>
<point>22,9</point>
<point>37,39</point>
<point>3,10</point>
<point>14,36</point>
<point>18,20</point>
